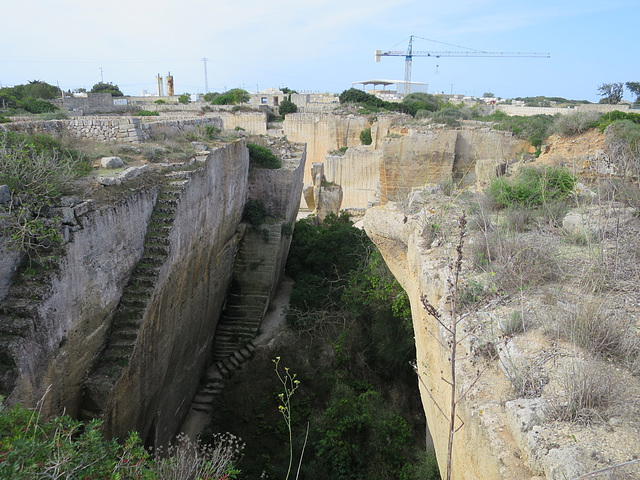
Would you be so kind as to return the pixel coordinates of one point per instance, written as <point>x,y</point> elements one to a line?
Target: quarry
<point>154,302</point>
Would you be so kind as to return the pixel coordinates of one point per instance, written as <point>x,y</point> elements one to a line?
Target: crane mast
<point>409,54</point>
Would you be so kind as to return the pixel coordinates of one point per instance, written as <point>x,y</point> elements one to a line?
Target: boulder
<point>111,162</point>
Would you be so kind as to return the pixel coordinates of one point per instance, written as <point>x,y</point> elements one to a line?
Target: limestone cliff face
<point>358,172</point>
<point>127,325</point>
<point>399,157</point>
<point>323,133</point>
<point>413,158</point>
<point>68,327</point>
<point>173,346</point>
<point>484,448</point>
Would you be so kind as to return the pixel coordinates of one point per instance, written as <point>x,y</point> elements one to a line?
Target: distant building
<point>392,90</point>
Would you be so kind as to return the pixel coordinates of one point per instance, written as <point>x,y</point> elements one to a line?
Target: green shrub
<point>184,98</point>
<point>147,113</point>
<point>32,447</point>
<point>211,131</point>
<point>255,212</point>
<point>262,157</point>
<point>230,97</point>
<point>533,128</point>
<point>365,136</point>
<point>610,117</point>
<point>66,448</point>
<point>532,186</point>
<point>287,106</point>
<point>33,105</point>
<point>102,87</point>
<point>160,102</point>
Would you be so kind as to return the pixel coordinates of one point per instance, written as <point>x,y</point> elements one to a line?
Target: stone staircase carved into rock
<point>127,318</point>
<point>18,314</point>
<point>254,273</point>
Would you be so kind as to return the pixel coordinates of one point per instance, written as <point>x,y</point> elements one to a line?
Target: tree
<point>287,106</point>
<point>184,98</point>
<point>40,89</point>
<point>611,93</point>
<point>102,87</point>
<point>634,87</point>
<point>420,101</point>
<point>230,97</point>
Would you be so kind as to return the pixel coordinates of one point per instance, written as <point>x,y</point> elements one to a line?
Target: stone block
<point>66,215</point>
<point>84,208</point>
<point>109,181</point>
<point>111,162</point>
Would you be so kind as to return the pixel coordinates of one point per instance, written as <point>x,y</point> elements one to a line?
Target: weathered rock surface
<point>111,162</point>
<point>322,198</point>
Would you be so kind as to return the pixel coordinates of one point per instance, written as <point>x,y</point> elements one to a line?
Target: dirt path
<point>273,323</point>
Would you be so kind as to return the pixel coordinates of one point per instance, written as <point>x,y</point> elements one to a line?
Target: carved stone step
<point>20,307</point>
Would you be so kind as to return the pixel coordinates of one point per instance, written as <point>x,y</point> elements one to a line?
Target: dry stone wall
<point>113,129</point>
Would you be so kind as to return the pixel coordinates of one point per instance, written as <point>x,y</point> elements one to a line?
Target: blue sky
<point>321,45</point>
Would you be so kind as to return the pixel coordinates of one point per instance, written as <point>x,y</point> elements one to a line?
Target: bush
<point>287,106</point>
<point>147,113</point>
<point>32,447</point>
<point>230,97</point>
<point>38,106</point>
<point>160,102</point>
<point>184,98</point>
<point>102,87</point>
<point>255,212</point>
<point>262,157</point>
<point>575,123</point>
<point>610,117</point>
<point>66,448</point>
<point>517,262</point>
<point>365,136</point>
<point>623,140</point>
<point>588,390</point>
<point>532,186</point>
<point>601,333</point>
<point>534,128</point>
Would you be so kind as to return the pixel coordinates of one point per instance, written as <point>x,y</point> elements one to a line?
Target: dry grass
<point>517,262</point>
<point>602,333</point>
<point>587,392</point>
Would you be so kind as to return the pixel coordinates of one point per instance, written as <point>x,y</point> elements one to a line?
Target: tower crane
<point>409,54</point>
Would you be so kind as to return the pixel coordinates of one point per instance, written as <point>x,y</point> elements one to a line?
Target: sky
<point>322,45</point>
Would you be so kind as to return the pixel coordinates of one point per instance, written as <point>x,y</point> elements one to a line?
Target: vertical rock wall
<point>323,133</point>
<point>70,324</point>
<point>154,393</point>
<point>484,448</point>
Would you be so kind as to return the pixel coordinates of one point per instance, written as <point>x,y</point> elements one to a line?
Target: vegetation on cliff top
<point>38,170</point>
